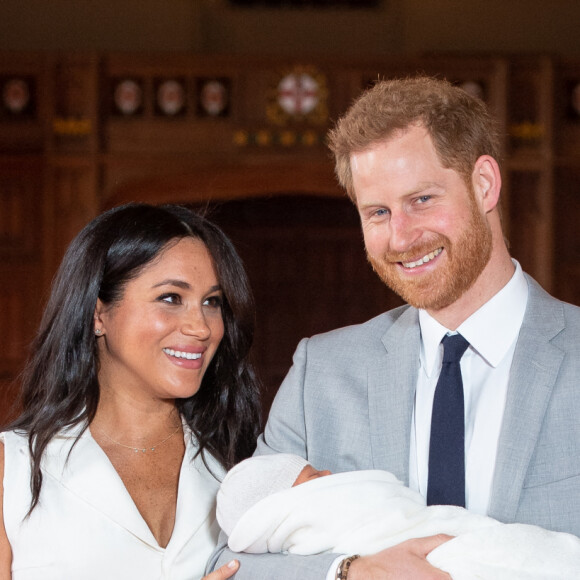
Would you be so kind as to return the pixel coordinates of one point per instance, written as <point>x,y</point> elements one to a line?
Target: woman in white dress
<point>138,394</point>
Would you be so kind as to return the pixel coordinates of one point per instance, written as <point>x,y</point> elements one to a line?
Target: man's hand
<point>402,562</point>
<point>223,572</point>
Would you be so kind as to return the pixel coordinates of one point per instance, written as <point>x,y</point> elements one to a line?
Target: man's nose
<point>404,232</point>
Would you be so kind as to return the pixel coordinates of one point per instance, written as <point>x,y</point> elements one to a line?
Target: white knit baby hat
<point>252,480</point>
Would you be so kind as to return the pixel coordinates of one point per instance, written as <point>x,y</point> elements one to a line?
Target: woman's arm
<point>5,549</point>
<point>269,566</point>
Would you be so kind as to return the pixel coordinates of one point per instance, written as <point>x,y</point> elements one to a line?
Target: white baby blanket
<point>364,512</point>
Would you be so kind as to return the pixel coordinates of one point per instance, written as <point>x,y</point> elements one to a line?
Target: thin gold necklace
<point>142,449</point>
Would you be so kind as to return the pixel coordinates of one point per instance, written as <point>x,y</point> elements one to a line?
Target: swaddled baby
<point>280,503</point>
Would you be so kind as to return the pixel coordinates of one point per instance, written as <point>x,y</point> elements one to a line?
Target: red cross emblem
<point>298,94</point>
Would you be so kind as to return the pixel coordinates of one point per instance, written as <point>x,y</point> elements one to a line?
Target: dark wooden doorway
<point>306,262</point>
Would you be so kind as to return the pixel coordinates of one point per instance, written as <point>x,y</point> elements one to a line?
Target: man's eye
<point>170,298</point>
<point>424,198</point>
<point>381,212</point>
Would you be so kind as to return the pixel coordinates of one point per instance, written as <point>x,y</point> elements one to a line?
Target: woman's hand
<point>226,571</point>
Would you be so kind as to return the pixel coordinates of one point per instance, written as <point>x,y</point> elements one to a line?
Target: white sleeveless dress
<point>86,525</point>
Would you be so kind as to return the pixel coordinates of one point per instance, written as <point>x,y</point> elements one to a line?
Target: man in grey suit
<point>418,157</point>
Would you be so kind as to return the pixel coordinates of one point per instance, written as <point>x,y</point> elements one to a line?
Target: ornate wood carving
<point>204,132</point>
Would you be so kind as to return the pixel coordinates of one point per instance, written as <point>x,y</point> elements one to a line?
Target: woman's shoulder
<point>5,549</point>
<point>13,439</point>
<point>21,437</point>
<point>15,455</point>
<point>15,469</point>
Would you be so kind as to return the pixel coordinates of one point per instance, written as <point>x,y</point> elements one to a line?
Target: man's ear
<point>98,324</point>
<point>486,181</point>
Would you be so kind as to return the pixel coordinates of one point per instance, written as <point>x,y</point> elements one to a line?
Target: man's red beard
<point>465,260</point>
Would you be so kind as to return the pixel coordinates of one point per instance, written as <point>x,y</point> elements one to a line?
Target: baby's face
<point>309,473</point>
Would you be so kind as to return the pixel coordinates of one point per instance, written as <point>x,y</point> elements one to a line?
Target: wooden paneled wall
<point>83,132</point>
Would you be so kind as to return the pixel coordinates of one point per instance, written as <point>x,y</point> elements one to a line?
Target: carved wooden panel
<point>21,266</point>
<point>82,132</point>
<point>218,105</point>
<point>567,241</point>
<point>74,100</point>
<point>21,303</point>
<point>21,207</point>
<point>72,187</point>
<point>530,211</point>
<point>567,181</point>
<point>567,110</point>
<point>23,103</point>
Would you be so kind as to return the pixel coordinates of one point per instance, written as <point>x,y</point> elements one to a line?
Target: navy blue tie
<point>447,444</point>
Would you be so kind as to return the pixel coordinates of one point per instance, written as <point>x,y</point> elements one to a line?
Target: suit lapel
<point>533,374</point>
<point>392,383</point>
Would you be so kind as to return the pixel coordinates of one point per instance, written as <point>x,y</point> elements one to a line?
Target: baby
<point>281,503</point>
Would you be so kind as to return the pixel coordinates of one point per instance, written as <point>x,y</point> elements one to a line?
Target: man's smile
<point>426,258</point>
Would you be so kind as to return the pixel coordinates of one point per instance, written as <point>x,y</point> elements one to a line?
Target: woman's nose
<point>196,325</point>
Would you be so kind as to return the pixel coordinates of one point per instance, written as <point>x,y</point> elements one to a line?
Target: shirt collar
<point>491,330</point>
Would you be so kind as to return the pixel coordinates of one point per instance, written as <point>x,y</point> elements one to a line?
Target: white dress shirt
<point>492,333</point>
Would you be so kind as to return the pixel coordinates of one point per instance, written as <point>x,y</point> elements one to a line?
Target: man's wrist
<point>344,566</point>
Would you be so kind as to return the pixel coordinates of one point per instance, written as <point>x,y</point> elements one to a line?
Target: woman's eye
<point>213,302</point>
<point>170,298</point>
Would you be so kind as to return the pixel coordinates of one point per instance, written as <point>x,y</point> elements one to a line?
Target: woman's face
<point>159,339</point>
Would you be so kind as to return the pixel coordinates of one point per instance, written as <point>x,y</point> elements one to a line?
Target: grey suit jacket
<point>347,404</point>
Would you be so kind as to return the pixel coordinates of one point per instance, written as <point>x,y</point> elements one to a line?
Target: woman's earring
<point>98,331</point>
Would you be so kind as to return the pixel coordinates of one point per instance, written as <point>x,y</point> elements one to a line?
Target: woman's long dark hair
<point>59,384</point>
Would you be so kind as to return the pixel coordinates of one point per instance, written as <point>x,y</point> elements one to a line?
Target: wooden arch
<point>215,181</point>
